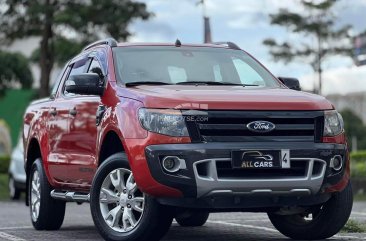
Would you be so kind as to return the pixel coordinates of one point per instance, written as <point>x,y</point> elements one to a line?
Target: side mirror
<point>291,83</point>
<point>85,84</point>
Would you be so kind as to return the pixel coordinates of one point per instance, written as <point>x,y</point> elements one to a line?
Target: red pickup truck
<point>151,132</point>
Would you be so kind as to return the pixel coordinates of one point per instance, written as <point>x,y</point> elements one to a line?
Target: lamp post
<point>206,23</point>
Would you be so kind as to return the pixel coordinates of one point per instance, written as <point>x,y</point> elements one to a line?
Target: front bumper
<point>203,177</point>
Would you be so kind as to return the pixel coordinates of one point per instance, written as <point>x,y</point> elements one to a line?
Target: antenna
<point>178,43</point>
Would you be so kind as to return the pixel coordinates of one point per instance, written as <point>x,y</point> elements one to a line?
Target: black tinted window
<point>96,68</point>
<point>78,67</point>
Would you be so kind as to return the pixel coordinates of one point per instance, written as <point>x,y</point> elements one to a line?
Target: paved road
<point>78,225</point>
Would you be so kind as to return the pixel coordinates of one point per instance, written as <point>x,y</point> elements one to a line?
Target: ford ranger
<point>151,132</point>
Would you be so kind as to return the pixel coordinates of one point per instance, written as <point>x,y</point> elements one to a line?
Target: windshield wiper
<point>146,83</point>
<point>206,83</point>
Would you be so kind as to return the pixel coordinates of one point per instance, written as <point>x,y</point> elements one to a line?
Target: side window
<point>78,67</point>
<point>247,74</point>
<point>61,76</point>
<point>95,67</point>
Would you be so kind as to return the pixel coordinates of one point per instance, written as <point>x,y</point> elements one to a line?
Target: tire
<point>14,192</point>
<point>46,212</point>
<point>151,220</point>
<point>327,219</point>
<point>192,219</point>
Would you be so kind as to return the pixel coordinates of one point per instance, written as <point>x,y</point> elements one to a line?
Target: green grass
<point>358,156</point>
<point>4,193</point>
<point>4,164</point>
<point>12,107</point>
<point>353,226</point>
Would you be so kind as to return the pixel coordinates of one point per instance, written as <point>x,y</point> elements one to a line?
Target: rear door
<point>58,130</point>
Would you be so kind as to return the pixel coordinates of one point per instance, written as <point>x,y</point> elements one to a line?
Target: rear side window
<point>58,81</point>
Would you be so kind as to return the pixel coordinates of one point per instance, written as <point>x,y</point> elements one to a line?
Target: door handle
<point>73,112</point>
<point>53,112</point>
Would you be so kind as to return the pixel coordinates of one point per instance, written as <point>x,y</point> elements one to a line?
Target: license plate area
<point>260,159</point>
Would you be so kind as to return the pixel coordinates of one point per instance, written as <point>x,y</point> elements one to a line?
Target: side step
<point>70,196</point>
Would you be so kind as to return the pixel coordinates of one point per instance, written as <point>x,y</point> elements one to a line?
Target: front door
<point>83,134</point>
<point>83,141</point>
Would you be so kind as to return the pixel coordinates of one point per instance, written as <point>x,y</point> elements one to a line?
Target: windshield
<point>187,65</point>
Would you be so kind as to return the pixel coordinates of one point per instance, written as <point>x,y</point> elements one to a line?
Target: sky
<point>247,23</point>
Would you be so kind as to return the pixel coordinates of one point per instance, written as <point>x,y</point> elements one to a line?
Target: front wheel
<point>120,210</point>
<point>318,222</point>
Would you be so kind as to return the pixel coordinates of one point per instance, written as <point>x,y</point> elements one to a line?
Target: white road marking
<point>244,226</point>
<point>15,228</point>
<point>10,237</point>
<point>348,236</point>
<point>273,230</point>
<point>359,213</point>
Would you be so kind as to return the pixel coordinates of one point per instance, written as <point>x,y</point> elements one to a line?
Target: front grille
<point>231,126</point>
<point>225,171</point>
<point>216,176</point>
<point>222,169</point>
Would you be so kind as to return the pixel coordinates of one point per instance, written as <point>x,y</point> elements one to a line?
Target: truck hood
<point>224,97</point>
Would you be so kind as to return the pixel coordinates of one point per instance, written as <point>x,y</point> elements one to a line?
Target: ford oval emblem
<point>261,126</point>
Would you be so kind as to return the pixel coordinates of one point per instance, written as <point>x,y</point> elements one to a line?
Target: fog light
<point>173,164</point>
<point>336,163</point>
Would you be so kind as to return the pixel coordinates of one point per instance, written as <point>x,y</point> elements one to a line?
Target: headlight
<point>163,121</point>
<point>333,123</point>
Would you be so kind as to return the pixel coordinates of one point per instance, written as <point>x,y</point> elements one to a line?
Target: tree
<point>318,22</point>
<point>14,71</point>
<point>354,128</point>
<point>63,48</point>
<point>77,21</point>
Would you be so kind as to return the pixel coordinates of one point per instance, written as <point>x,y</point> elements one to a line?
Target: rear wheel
<point>318,222</point>
<point>46,212</point>
<point>192,218</point>
<point>120,210</point>
<point>14,192</point>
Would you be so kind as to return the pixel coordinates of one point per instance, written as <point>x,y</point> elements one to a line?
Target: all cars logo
<point>256,159</point>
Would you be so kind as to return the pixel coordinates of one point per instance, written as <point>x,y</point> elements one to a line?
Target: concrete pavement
<point>78,225</point>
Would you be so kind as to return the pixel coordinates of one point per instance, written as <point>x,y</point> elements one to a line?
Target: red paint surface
<point>70,144</point>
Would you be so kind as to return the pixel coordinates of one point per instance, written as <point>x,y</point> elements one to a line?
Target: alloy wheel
<point>35,195</point>
<point>121,202</point>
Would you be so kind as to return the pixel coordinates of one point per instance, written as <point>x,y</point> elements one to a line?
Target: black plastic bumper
<point>184,180</point>
<point>245,203</point>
